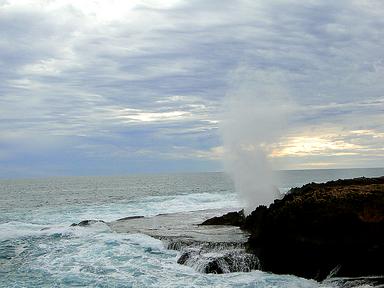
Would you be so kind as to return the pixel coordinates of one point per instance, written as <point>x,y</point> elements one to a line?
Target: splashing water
<point>255,115</point>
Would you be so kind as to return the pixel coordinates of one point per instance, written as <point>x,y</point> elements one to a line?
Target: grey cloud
<point>64,74</point>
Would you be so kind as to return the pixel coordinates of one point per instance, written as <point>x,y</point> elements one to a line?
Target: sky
<point>96,87</point>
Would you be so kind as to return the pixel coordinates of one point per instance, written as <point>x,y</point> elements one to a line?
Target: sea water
<point>38,248</point>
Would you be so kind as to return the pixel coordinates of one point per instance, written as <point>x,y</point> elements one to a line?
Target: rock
<point>206,248</point>
<point>219,261</point>
<point>87,223</point>
<point>182,228</point>
<point>184,257</point>
<point>213,267</point>
<point>319,227</point>
<point>130,218</point>
<point>231,218</point>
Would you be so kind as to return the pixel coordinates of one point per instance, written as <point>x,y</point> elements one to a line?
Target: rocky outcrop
<point>319,230</point>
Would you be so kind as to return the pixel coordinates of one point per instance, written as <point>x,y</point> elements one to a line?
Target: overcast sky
<point>116,87</point>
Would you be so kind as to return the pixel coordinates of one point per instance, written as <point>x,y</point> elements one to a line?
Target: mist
<point>256,111</point>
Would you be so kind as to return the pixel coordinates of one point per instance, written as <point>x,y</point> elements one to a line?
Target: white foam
<point>60,255</point>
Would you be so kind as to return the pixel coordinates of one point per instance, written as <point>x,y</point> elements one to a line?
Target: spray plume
<point>255,114</point>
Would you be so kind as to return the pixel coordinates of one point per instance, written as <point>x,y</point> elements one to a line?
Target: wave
<point>147,206</point>
<point>96,257</point>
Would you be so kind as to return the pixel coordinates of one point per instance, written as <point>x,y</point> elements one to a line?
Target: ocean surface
<point>38,248</point>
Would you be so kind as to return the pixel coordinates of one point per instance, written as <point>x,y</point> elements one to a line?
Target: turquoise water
<point>39,249</point>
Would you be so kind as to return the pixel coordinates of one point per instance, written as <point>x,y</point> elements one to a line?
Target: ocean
<point>38,248</point>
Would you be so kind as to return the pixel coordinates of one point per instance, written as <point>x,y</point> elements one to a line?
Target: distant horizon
<point>179,173</point>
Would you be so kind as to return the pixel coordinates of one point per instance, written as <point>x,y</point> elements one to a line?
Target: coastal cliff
<point>319,230</point>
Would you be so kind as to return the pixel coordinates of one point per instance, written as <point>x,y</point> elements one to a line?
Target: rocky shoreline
<point>318,231</point>
<point>208,249</point>
<point>331,232</point>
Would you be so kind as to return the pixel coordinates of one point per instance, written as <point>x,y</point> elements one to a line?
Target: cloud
<point>151,75</point>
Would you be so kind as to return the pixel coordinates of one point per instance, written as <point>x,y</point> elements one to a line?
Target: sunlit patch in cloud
<point>135,115</point>
<point>372,133</point>
<point>306,145</point>
<point>215,153</point>
<point>359,146</point>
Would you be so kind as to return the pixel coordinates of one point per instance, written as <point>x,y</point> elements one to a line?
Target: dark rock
<point>87,223</point>
<point>317,227</point>
<point>184,257</point>
<point>219,260</point>
<point>231,261</point>
<point>213,267</point>
<point>130,218</point>
<point>231,218</point>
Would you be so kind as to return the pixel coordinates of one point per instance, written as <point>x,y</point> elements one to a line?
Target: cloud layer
<point>106,87</point>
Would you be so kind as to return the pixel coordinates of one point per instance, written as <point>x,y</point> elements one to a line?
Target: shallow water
<point>39,249</point>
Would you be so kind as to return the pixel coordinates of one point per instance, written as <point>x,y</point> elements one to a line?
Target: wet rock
<point>206,248</point>
<point>213,267</point>
<point>184,257</point>
<point>219,260</point>
<point>130,218</point>
<point>231,218</point>
<point>87,223</point>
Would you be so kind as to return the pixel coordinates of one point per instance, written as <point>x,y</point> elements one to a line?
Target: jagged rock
<point>318,227</point>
